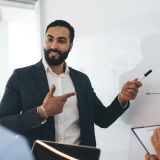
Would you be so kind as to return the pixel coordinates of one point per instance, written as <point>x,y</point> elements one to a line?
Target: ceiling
<point>23,1</point>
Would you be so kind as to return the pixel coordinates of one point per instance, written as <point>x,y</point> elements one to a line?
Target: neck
<point>58,69</point>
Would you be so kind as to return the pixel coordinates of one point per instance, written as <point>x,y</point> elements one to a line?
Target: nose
<point>54,45</point>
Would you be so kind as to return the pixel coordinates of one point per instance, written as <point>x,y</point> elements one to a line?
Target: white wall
<point>107,44</point>
<point>18,40</point>
<point>4,67</point>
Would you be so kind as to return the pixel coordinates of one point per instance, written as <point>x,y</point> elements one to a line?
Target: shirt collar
<point>48,68</point>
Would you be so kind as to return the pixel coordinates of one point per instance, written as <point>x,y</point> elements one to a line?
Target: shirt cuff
<point>123,106</point>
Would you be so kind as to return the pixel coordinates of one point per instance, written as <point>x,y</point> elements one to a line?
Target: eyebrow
<point>58,37</point>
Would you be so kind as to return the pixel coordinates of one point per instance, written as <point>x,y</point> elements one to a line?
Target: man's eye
<point>61,41</point>
<point>49,39</point>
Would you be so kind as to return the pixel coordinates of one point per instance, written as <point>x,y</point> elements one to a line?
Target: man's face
<point>57,45</point>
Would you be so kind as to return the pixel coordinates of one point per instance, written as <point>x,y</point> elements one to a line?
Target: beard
<point>55,62</point>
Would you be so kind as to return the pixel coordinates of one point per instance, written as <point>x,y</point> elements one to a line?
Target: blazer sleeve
<point>104,116</point>
<point>11,114</point>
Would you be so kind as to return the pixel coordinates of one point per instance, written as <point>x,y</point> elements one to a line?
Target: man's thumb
<point>52,90</point>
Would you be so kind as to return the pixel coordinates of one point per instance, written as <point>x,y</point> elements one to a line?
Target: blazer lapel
<point>79,92</point>
<point>40,78</point>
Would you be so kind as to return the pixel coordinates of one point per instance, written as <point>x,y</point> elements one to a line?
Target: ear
<point>70,46</point>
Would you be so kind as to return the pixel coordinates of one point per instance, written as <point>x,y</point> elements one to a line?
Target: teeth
<point>53,53</point>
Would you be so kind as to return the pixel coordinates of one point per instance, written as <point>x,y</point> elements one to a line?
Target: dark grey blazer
<point>26,89</point>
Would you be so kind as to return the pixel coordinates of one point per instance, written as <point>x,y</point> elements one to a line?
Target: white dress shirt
<point>67,129</point>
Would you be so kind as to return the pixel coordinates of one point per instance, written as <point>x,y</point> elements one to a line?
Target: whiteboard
<point>145,109</point>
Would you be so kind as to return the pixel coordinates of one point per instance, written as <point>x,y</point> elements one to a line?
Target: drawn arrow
<point>151,93</point>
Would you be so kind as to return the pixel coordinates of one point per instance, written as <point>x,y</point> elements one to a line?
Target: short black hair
<point>62,23</point>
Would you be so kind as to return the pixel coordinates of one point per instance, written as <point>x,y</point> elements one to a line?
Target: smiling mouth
<point>53,53</point>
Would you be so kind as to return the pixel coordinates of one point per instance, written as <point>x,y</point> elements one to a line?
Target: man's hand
<point>52,104</point>
<point>155,139</point>
<point>151,157</point>
<point>129,91</point>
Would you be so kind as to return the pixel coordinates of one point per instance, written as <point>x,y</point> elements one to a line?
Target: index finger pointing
<point>135,82</point>
<point>138,84</point>
<point>67,95</point>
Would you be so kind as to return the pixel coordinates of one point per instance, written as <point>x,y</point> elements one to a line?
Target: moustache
<point>54,51</point>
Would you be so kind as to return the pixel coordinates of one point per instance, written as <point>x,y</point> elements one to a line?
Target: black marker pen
<point>145,75</point>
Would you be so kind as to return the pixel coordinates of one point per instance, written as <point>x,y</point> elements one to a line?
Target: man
<point>52,101</point>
